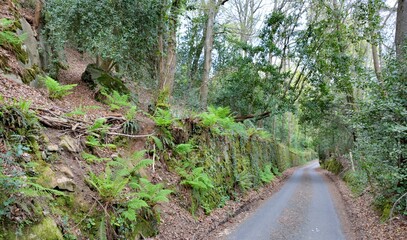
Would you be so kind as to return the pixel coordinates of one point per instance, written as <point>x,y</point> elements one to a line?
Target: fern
<point>6,23</point>
<point>102,231</point>
<point>131,113</point>
<point>163,118</point>
<point>198,180</point>
<point>151,193</point>
<point>116,100</point>
<point>11,39</point>
<point>79,111</point>
<point>184,148</point>
<point>92,141</point>
<point>157,142</point>
<point>36,190</point>
<point>266,175</point>
<point>90,158</point>
<point>131,127</point>
<point>56,90</point>
<point>99,127</point>
<point>133,206</point>
<point>132,165</point>
<point>108,186</point>
<point>243,180</point>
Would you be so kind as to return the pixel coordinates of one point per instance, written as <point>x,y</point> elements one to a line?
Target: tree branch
<point>250,116</point>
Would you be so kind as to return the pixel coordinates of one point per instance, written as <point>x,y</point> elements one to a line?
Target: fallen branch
<point>250,116</point>
<point>130,136</point>
<point>394,206</point>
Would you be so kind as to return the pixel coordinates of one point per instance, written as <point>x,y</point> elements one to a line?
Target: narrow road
<point>302,209</point>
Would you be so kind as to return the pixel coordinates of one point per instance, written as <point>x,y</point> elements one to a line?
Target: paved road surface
<point>302,209</point>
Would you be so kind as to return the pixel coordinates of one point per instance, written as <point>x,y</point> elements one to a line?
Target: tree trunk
<point>376,63</point>
<point>37,14</point>
<point>168,55</point>
<point>401,27</point>
<point>208,46</point>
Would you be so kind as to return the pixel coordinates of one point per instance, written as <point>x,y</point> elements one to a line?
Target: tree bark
<point>401,27</point>
<point>376,63</point>
<point>168,53</point>
<point>208,52</point>
<point>37,14</point>
<point>213,6</point>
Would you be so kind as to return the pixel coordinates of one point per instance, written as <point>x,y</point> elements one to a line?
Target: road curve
<point>302,209</point>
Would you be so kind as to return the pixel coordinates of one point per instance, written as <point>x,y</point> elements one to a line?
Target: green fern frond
<point>92,141</point>
<point>56,90</point>
<point>90,158</point>
<point>142,164</point>
<point>158,143</point>
<point>116,100</point>
<point>184,148</point>
<point>198,180</point>
<point>108,186</point>
<point>266,175</point>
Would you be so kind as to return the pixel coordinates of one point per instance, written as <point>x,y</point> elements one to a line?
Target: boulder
<point>30,44</point>
<point>70,144</point>
<point>97,79</point>
<point>66,170</point>
<point>12,77</point>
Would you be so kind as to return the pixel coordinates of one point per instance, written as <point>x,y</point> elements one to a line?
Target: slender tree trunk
<point>208,46</point>
<point>168,57</point>
<point>213,7</point>
<point>37,14</point>
<point>376,63</point>
<point>401,27</point>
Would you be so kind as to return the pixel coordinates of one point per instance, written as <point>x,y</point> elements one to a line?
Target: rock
<point>64,183</point>
<point>98,79</point>
<point>44,155</point>
<point>70,144</point>
<point>47,178</point>
<point>67,171</point>
<point>30,43</point>
<point>53,148</point>
<point>12,77</point>
<point>47,229</point>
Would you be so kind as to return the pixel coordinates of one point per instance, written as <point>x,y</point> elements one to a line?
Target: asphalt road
<point>302,209</point>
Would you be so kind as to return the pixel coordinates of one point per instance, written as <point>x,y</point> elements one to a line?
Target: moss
<point>30,74</point>
<point>4,64</point>
<point>46,230</point>
<point>96,78</point>
<point>46,176</point>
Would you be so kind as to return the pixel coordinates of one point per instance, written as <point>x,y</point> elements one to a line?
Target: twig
<point>153,157</point>
<point>130,136</point>
<point>90,210</point>
<point>394,205</point>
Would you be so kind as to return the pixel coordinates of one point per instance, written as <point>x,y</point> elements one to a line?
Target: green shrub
<point>19,125</point>
<point>333,165</point>
<point>55,89</point>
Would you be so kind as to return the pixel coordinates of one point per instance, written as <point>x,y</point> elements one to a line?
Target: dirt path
<point>302,209</point>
